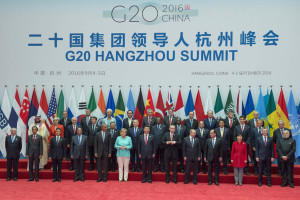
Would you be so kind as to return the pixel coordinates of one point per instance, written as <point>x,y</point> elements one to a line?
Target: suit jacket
<point>62,122</point>
<point>92,134</point>
<point>202,138</point>
<point>225,138</point>
<point>214,123</point>
<point>146,123</point>
<point>166,121</point>
<point>146,150</point>
<point>182,133</point>
<point>286,147</point>
<point>84,125</point>
<point>57,150</point>
<point>100,147</point>
<point>235,122</point>
<point>252,123</point>
<point>213,154</point>
<point>277,134</point>
<point>135,139</point>
<point>114,136</point>
<point>34,148</point>
<point>13,149</point>
<point>255,135</point>
<point>264,151</point>
<point>158,135</point>
<point>188,126</point>
<point>70,133</point>
<point>79,151</point>
<point>126,123</point>
<point>246,133</point>
<point>189,151</point>
<point>171,149</point>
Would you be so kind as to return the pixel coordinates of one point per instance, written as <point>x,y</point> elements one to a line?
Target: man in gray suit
<point>13,146</point>
<point>79,152</point>
<point>34,151</point>
<point>102,149</point>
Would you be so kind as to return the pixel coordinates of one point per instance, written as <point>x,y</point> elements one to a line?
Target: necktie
<point>34,138</point>
<point>171,137</point>
<point>87,120</point>
<point>259,131</point>
<point>74,128</point>
<point>57,139</point>
<point>93,127</point>
<point>192,142</point>
<point>65,122</point>
<point>265,140</point>
<point>79,139</point>
<point>230,123</point>
<point>103,136</point>
<point>201,132</point>
<point>209,121</point>
<point>213,143</point>
<point>242,128</point>
<point>134,132</point>
<point>146,139</point>
<point>112,133</point>
<point>170,120</point>
<point>256,123</point>
<point>129,122</point>
<point>12,139</point>
<point>221,132</point>
<point>191,122</point>
<point>281,132</point>
<point>178,128</point>
<point>149,120</point>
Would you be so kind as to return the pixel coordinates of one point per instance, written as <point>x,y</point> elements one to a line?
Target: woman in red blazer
<point>53,128</point>
<point>239,158</point>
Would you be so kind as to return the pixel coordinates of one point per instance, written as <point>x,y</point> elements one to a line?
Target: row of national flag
<point>21,114</point>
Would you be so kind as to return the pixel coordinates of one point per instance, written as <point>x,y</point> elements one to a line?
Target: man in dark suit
<point>128,122</point>
<point>70,132</point>
<point>256,132</point>
<point>103,148</point>
<point>149,120</point>
<point>181,131</point>
<point>231,122</point>
<point>57,153</point>
<point>146,150</point>
<point>134,133</point>
<point>223,133</point>
<point>253,123</point>
<point>65,121</point>
<point>190,123</point>
<point>114,133</point>
<point>277,135</point>
<point>13,146</point>
<point>34,151</point>
<point>213,155</point>
<point>210,122</point>
<point>170,119</point>
<point>191,154</point>
<point>171,141</point>
<point>246,133</point>
<point>264,155</point>
<point>86,121</point>
<point>203,135</point>
<point>79,152</point>
<point>158,131</point>
<point>93,128</point>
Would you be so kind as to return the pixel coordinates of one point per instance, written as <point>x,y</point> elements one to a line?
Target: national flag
<point>61,105</point>
<point>52,108</point>
<point>294,122</point>
<point>219,109</point>
<point>229,105</point>
<point>266,98</point>
<point>15,111</point>
<point>240,109</point>
<point>81,106</point>
<point>130,104</point>
<point>120,110</point>
<point>149,104</point>
<point>43,109</point>
<point>282,111</point>
<point>4,125</point>
<point>72,106</point>
<point>260,108</point>
<point>249,108</point>
<point>110,103</point>
<point>140,108</point>
<point>6,109</point>
<point>179,108</point>
<point>199,111</point>
<point>169,104</point>
<point>189,106</point>
<point>22,121</point>
<point>208,102</point>
<point>99,112</point>
<point>272,114</point>
<point>159,110</point>
<point>33,110</point>
<point>92,101</point>
<point>298,111</point>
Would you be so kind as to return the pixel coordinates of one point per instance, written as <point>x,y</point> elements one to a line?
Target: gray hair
<point>109,110</point>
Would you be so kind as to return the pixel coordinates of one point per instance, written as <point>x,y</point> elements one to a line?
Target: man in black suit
<point>170,119</point>
<point>223,133</point>
<point>70,132</point>
<point>256,132</point>
<point>277,135</point>
<point>57,153</point>
<point>134,133</point>
<point>191,154</point>
<point>210,122</point>
<point>246,133</point>
<point>102,148</point>
<point>181,131</point>
<point>86,121</point>
<point>253,123</point>
<point>114,133</point>
<point>171,141</point>
<point>203,135</point>
<point>190,123</point>
<point>128,122</point>
<point>213,155</point>
<point>65,121</point>
<point>34,151</point>
<point>146,150</point>
<point>79,152</point>
<point>93,128</point>
<point>264,155</point>
<point>13,146</point>
<point>231,122</point>
<point>158,131</point>
<point>149,120</point>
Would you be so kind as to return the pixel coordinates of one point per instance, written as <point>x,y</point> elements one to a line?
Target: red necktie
<point>34,138</point>
<point>146,139</point>
<point>149,118</point>
<point>171,137</point>
<point>170,120</point>
<point>230,123</point>
<point>74,130</point>
<point>242,128</point>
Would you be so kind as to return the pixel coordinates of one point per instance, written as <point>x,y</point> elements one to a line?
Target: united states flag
<point>52,108</point>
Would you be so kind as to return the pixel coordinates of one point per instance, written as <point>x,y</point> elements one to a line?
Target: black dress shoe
<point>71,168</point>
<point>195,182</point>
<point>36,179</point>
<point>105,180</point>
<point>167,181</point>
<point>99,180</point>
<point>292,186</point>
<point>204,172</point>
<point>15,179</point>
<point>82,179</point>
<point>91,169</point>
<point>283,185</point>
<point>181,171</point>
<point>31,179</point>
<point>279,174</point>
<point>138,170</point>
<point>209,183</point>
<point>269,185</point>
<point>162,170</point>
<point>225,173</point>
<point>76,179</point>
<point>259,184</point>
<point>247,173</point>
<point>8,179</point>
<point>58,180</point>
<point>155,170</point>
<point>216,182</point>
<point>54,180</point>
<point>132,170</point>
<point>144,181</point>
<point>149,181</point>
<point>175,181</point>
<point>255,173</point>
<point>113,170</point>
<point>186,182</point>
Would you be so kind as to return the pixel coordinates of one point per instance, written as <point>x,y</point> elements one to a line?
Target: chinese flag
<point>149,104</point>
<point>140,107</point>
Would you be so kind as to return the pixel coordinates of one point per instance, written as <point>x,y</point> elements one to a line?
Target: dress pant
<point>56,166</point>
<point>112,161</point>
<point>247,166</point>
<point>15,163</point>
<point>36,160</point>
<point>68,153</point>
<point>266,163</point>
<point>123,163</point>
<point>173,159</point>
<point>79,165</point>
<point>187,175</point>
<point>204,167</point>
<point>102,166</point>
<point>255,163</point>
<point>92,156</point>
<point>213,165</point>
<point>180,158</point>
<point>135,160</point>
<point>287,168</point>
<point>280,171</point>
<point>159,159</point>
<point>147,169</point>
<point>225,160</point>
<point>238,174</point>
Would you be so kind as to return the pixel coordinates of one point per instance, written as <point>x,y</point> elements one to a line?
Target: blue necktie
<point>79,140</point>
<point>103,136</point>
<point>213,143</point>
<point>191,122</point>
<point>12,139</point>
<point>134,132</point>
<point>209,121</point>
